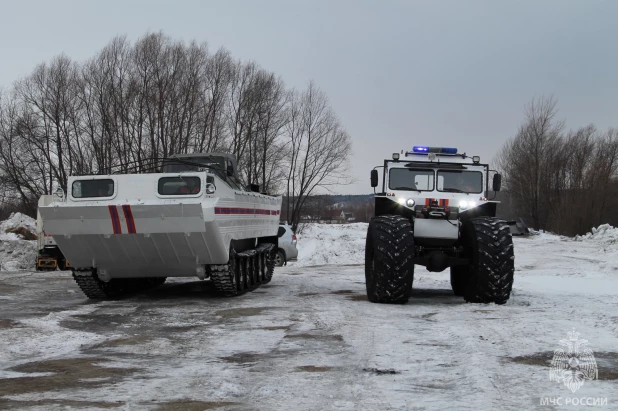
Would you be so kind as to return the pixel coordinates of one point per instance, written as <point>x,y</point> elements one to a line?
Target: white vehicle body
<point>287,245</point>
<point>136,231</point>
<point>49,256</point>
<point>44,240</point>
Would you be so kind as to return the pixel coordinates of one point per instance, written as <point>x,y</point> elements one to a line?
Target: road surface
<point>310,340</point>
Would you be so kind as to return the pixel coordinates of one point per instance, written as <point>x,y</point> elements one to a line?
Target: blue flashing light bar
<point>437,150</point>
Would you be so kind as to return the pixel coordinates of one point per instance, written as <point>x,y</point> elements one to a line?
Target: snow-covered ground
<point>310,340</point>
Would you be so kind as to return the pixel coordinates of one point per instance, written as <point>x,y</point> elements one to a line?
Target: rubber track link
<point>245,270</point>
<point>90,284</point>
<point>493,261</point>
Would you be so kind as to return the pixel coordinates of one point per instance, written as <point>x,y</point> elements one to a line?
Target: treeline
<point>564,182</point>
<point>132,105</point>
<point>316,206</point>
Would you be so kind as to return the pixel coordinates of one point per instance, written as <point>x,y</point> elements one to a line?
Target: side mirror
<point>230,170</point>
<point>374,178</point>
<point>497,182</point>
<point>60,193</point>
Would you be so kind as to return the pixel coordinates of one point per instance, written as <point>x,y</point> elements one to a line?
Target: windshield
<point>455,181</point>
<point>410,179</point>
<point>217,164</point>
<point>188,164</point>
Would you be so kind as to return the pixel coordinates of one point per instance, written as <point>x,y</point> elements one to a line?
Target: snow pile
<point>604,234</point>
<point>339,244</point>
<point>17,227</point>
<point>16,253</point>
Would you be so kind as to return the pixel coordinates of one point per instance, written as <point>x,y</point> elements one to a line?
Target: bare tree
<point>524,163</point>
<point>563,183</point>
<point>320,149</point>
<point>131,105</point>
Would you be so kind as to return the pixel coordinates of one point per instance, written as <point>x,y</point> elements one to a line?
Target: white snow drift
<point>15,252</point>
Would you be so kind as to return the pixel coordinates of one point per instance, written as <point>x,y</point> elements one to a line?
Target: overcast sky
<point>398,73</point>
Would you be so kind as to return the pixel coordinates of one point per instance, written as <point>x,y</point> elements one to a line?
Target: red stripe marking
<point>113,212</point>
<point>128,214</point>
<point>245,211</point>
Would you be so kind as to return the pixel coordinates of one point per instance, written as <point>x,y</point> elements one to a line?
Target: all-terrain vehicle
<point>124,232</point>
<point>433,211</point>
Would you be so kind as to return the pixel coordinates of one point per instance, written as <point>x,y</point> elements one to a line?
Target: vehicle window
<point>92,188</point>
<point>456,181</point>
<point>281,231</point>
<point>171,186</point>
<point>410,179</point>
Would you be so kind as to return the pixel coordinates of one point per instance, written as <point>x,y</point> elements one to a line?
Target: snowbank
<point>338,244</point>
<point>15,222</point>
<point>604,234</point>
<point>17,255</point>
<point>344,244</point>
<point>15,252</point>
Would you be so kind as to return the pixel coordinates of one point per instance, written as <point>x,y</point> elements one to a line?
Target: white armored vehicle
<point>126,232</point>
<point>433,211</point>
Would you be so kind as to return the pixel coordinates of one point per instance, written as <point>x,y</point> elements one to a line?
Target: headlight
<point>410,202</point>
<point>402,201</point>
<point>464,205</point>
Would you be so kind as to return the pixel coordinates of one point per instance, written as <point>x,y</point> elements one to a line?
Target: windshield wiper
<point>405,188</point>
<point>455,190</point>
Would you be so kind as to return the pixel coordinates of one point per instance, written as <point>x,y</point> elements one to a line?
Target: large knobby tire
<point>460,275</point>
<point>489,246</point>
<point>389,259</point>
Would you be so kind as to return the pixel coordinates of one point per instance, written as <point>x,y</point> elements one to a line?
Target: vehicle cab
<point>437,188</point>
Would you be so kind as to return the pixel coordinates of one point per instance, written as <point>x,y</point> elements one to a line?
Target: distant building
<point>349,217</point>
<point>338,216</point>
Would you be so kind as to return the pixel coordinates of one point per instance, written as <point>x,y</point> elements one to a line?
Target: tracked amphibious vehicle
<point>124,232</point>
